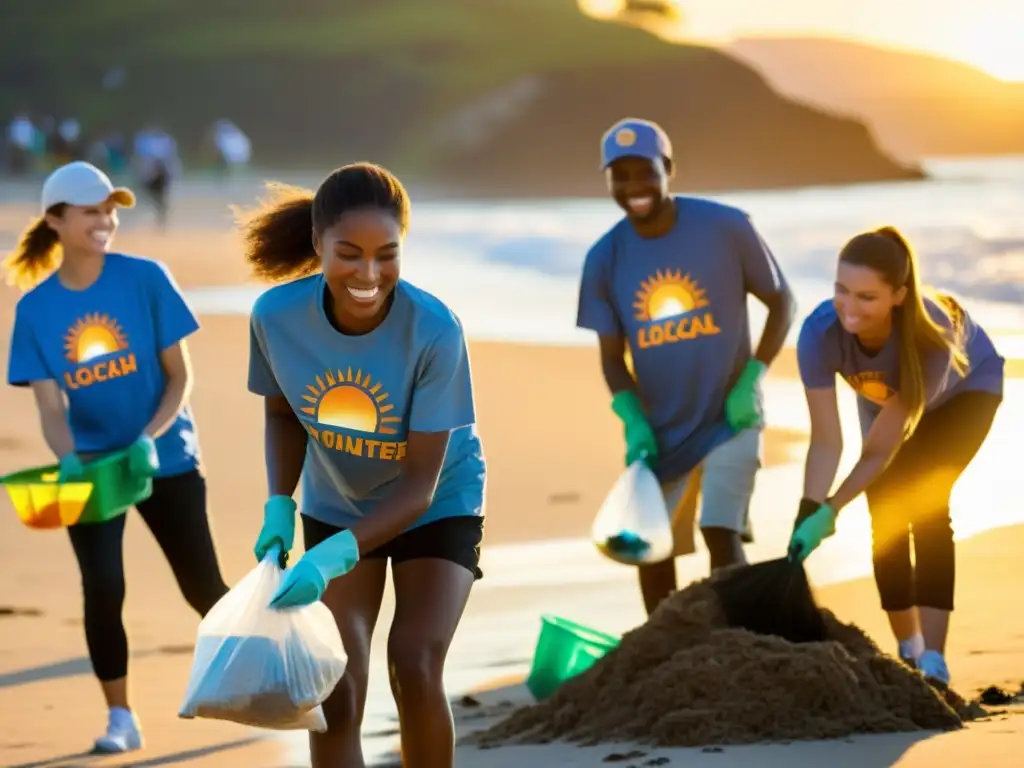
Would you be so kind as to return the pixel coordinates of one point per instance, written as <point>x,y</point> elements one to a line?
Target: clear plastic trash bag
<point>633,525</point>
<point>264,667</point>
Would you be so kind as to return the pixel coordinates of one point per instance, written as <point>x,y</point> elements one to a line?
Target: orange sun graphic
<point>876,391</point>
<point>668,294</point>
<point>93,336</point>
<point>341,399</point>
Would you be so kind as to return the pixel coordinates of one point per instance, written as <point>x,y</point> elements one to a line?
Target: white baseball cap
<point>81,183</point>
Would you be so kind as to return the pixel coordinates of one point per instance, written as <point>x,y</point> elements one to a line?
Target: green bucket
<point>114,488</point>
<point>564,649</point>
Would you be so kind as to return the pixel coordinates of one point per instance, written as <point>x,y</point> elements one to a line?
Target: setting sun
<point>982,33</point>
<point>995,46</point>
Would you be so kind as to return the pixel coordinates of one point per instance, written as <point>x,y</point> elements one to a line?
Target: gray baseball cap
<point>81,183</point>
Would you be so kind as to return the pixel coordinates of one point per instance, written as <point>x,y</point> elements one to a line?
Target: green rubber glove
<point>278,528</point>
<point>71,468</point>
<point>142,457</point>
<point>743,404</point>
<point>811,532</point>
<point>640,440</point>
<point>306,582</point>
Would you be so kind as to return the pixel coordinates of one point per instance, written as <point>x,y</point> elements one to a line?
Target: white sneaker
<point>933,667</point>
<point>123,734</point>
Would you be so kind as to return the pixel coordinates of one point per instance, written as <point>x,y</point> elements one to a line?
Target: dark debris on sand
<point>685,679</point>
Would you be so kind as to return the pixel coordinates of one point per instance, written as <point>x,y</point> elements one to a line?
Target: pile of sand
<point>685,679</point>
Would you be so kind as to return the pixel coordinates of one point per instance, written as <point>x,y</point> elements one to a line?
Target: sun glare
<point>994,46</point>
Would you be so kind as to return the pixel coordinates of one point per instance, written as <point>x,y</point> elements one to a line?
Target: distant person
<point>117,152</point>
<point>156,163</point>
<point>231,147</point>
<point>928,384</point>
<point>21,133</point>
<point>46,131</point>
<point>100,339</point>
<point>669,283</point>
<point>368,397</point>
<point>66,142</point>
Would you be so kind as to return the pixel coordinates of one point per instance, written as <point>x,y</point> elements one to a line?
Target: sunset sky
<point>986,33</point>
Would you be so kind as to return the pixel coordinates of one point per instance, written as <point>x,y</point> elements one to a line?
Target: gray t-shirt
<point>360,396</point>
<point>825,349</point>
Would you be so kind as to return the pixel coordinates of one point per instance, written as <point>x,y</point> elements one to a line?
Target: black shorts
<point>455,539</point>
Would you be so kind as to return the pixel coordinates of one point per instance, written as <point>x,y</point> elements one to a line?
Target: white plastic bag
<point>264,667</point>
<point>633,525</point>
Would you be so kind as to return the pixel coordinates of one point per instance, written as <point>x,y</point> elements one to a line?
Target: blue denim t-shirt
<point>681,303</point>
<point>102,346</point>
<point>359,396</point>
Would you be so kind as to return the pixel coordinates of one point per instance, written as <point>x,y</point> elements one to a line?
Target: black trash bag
<point>771,598</point>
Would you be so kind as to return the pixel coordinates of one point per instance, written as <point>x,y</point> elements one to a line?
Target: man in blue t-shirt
<point>668,285</point>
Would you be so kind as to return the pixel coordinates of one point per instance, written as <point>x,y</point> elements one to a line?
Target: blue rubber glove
<point>142,457</point>
<point>71,468</point>
<point>306,582</point>
<point>811,532</point>
<point>743,404</point>
<point>640,440</point>
<point>278,528</point>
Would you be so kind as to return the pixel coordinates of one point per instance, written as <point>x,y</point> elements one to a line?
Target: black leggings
<point>176,516</point>
<point>912,497</point>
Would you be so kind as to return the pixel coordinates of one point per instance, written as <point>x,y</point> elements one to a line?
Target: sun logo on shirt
<point>350,401</point>
<point>668,294</point>
<point>92,336</point>
<point>871,386</point>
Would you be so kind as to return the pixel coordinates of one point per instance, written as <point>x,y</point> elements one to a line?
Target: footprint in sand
<point>10,444</point>
<point>11,612</point>
<point>176,650</point>
<point>565,497</point>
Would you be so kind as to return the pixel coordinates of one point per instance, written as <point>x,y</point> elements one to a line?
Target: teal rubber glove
<point>142,458</point>
<point>743,404</point>
<point>640,440</point>
<point>71,468</point>
<point>278,528</point>
<point>306,581</point>
<point>811,532</point>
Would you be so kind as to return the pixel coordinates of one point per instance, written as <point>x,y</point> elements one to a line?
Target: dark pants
<point>176,516</point>
<point>911,497</point>
<point>158,188</point>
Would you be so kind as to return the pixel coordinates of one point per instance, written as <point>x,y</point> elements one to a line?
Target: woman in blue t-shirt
<point>369,399</point>
<point>929,383</point>
<point>100,339</point>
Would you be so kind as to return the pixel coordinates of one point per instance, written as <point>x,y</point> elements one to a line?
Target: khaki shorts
<point>723,484</point>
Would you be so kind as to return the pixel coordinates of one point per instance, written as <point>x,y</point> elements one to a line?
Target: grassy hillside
<point>319,82</point>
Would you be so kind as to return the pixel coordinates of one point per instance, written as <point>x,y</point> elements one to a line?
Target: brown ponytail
<point>886,251</point>
<point>37,256</point>
<point>278,234</point>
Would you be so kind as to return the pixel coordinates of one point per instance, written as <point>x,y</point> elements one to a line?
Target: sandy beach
<point>553,451</point>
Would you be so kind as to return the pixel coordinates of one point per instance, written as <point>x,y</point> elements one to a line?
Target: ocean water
<point>510,269</point>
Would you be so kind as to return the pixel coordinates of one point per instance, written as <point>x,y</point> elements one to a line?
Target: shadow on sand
<point>87,760</point>
<point>486,706</point>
